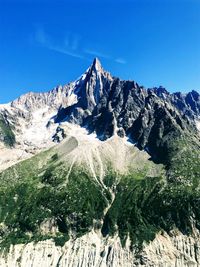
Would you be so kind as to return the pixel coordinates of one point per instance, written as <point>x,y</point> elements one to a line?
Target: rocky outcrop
<point>92,250</point>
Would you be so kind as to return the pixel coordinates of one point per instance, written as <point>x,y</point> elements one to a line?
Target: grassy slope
<point>40,188</point>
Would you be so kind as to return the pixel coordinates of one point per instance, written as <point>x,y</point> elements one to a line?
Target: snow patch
<point>198,125</point>
<point>32,135</point>
<point>37,133</point>
<point>5,106</point>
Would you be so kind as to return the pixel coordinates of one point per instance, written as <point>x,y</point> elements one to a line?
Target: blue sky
<point>47,43</point>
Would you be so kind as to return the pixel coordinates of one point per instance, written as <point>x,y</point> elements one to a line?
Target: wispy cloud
<point>41,37</point>
<point>72,41</point>
<point>71,45</point>
<point>66,52</point>
<point>96,53</point>
<point>120,60</point>
<point>102,55</point>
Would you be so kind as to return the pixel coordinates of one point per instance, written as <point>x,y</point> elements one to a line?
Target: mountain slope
<point>111,175</point>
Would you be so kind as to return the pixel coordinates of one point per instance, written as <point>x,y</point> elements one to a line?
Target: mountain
<point>100,172</point>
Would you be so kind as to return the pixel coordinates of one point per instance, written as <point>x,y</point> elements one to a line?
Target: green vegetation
<point>140,205</point>
<point>144,205</point>
<point>184,165</point>
<point>73,199</point>
<point>128,213</point>
<point>6,133</point>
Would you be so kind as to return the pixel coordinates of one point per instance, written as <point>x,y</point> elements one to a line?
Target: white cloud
<point>71,46</point>
<point>96,53</point>
<point>66,52</point>
<point>120,60</point>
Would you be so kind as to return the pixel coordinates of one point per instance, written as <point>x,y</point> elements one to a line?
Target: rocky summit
<point>100,172</point>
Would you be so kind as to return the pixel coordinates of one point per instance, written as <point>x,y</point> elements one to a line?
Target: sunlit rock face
<point>92,250</point>
<point>102,104</point>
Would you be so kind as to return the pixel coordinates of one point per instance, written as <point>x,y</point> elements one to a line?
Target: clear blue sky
<point>46,43</point>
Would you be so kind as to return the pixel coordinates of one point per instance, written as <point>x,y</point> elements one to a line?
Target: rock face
<point>92,250</point>
<point>26,123</point>
<point>151,118</point>
<point>103,104</point>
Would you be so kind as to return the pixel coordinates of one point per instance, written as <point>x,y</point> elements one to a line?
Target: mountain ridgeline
<point>151,118</point>
<point>101,158</point>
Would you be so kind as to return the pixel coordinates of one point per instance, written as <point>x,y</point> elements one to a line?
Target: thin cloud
<point>66,52</point>
<point>72,41</point>
<point>41,37</point>
<point>102,55</point>
<point>120,60</point>
<point>69,47</point>
<point>96,53</point>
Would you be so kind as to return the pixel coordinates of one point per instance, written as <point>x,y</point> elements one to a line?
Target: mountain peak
<point>96,65</point>
<point>99,70</point>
